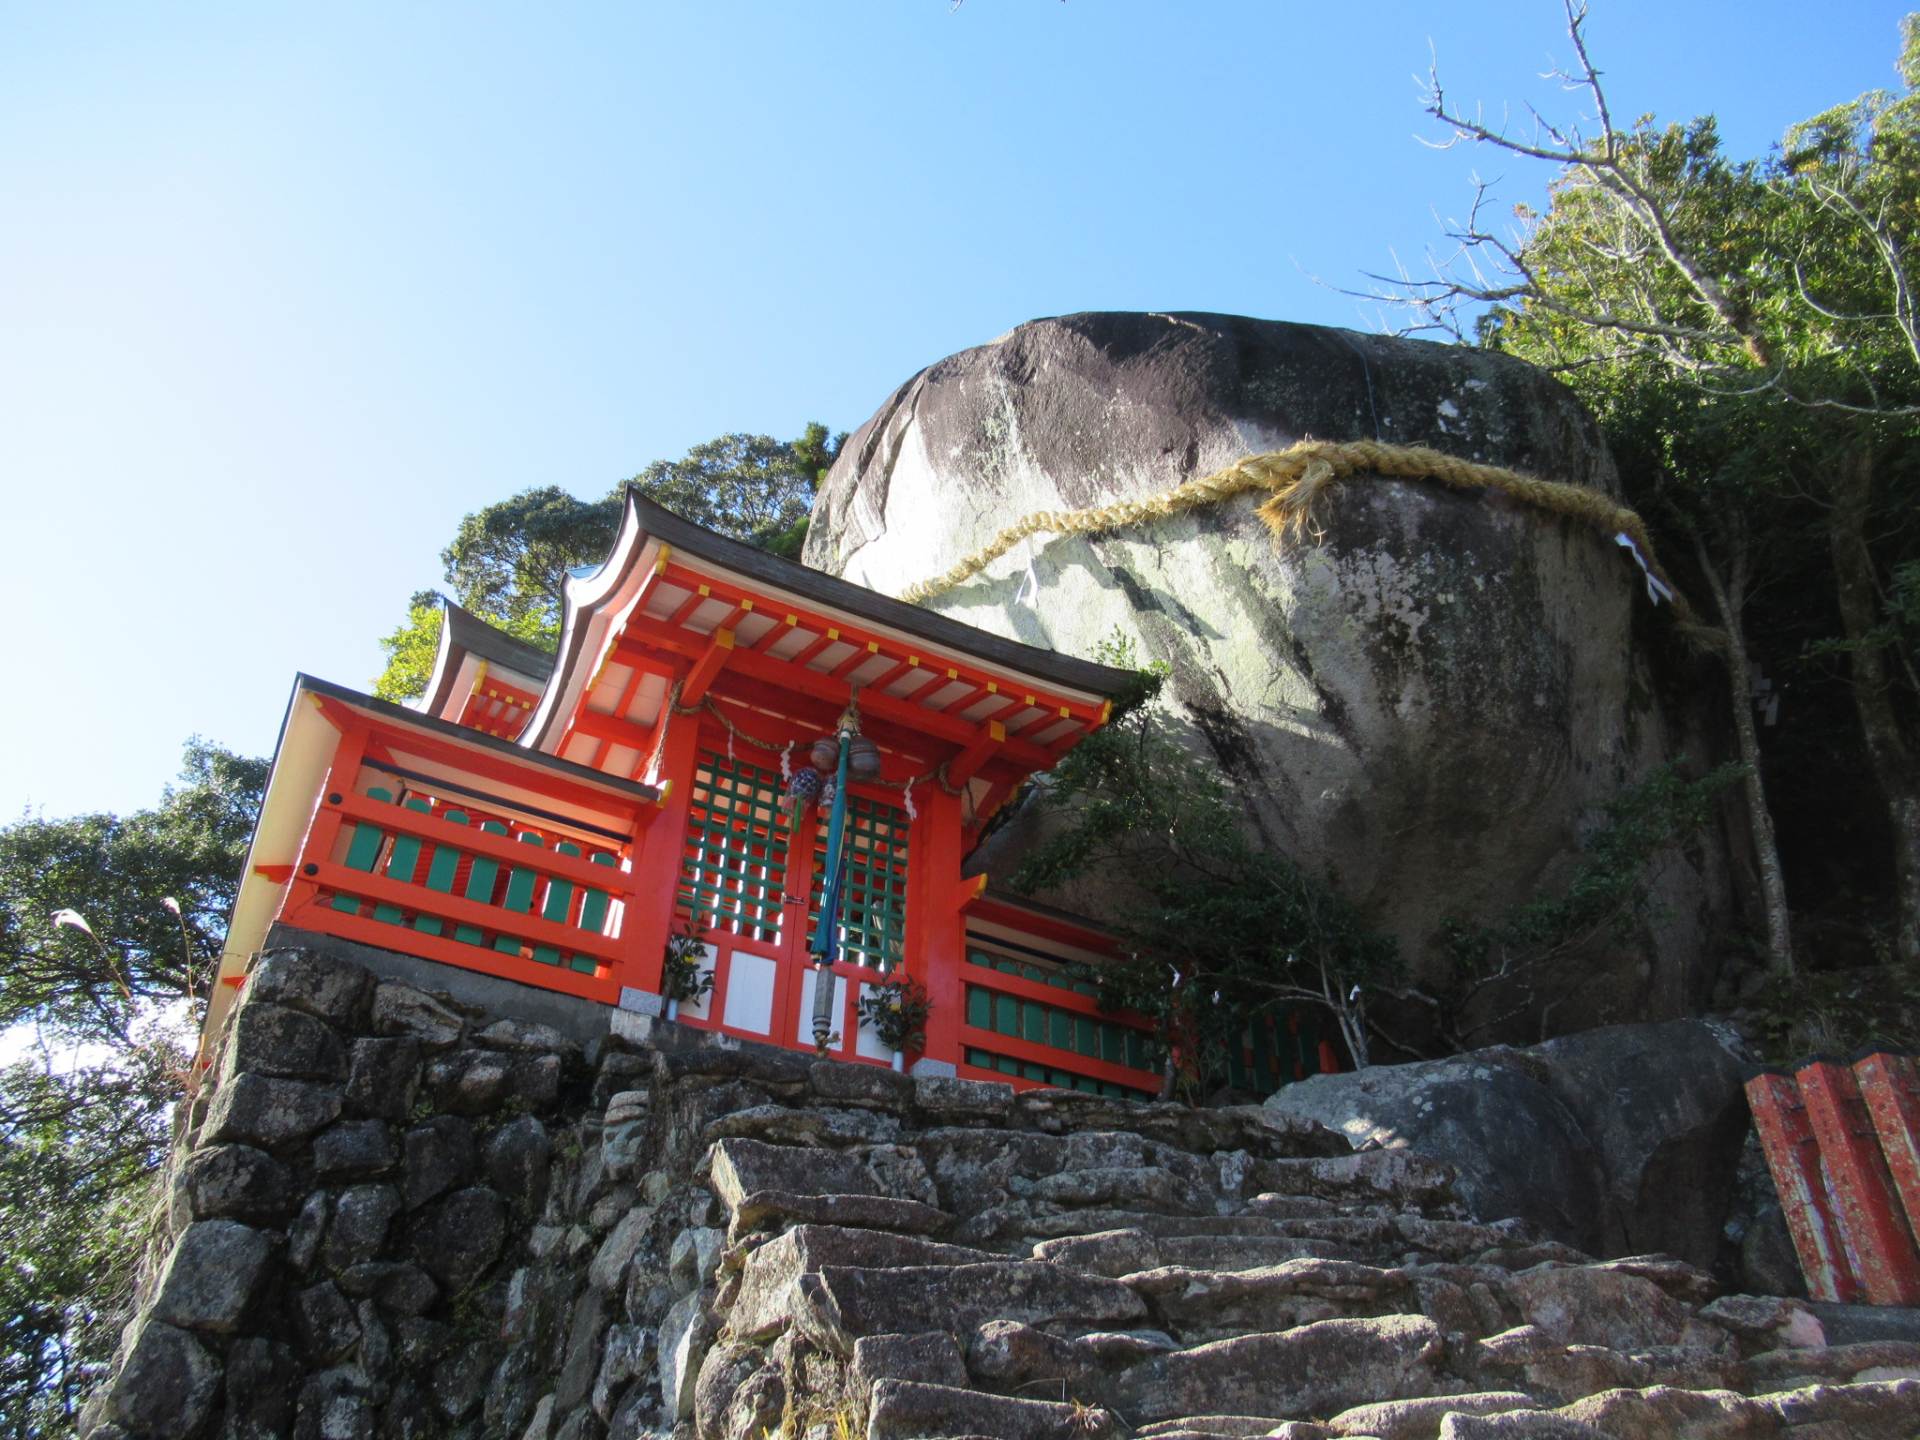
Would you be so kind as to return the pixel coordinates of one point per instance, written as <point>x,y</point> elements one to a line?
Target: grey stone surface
<point>270,1039</point>
<point>328,989</point>
<point>262,1385</point>
<point>440,1156</point>
<point>268,1112</point>
<point>168,1385</point>
<point>404,1010</point>
<point>235,1182</point>
<point>518,1156</point>
<point>1620,1140</point>
<point>684,1336</point>
<point>1328,679</point>
<point>212,1275</point>
<point>458,1237</point>
<point>383,1076</point>
<point>353,1150</point>
<point>362,1216</point>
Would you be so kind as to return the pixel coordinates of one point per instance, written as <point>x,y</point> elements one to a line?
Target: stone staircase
<point>399,1216</point>
<point>942,1258</point>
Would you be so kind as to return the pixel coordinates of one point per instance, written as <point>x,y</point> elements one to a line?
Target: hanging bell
<point>825,755</point>
<point>863,758</point>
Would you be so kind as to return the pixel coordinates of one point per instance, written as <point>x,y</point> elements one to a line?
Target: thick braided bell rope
<point>1300,481</point>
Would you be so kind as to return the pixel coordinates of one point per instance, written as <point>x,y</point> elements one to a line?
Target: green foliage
<point>897,1009</point>
<point>681,977</point>
<point>509,561</point>
<point>1838,1012</point>
<point>1512,960</point>
<point>1217,928</point>
<point>79,1152</point>
<point>117,871</point>
<point>84,1125</point>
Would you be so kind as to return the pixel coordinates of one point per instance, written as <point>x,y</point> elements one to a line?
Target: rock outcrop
<point>1433,700</point>
<point>713,1242</point>
<point>1621,1140</point>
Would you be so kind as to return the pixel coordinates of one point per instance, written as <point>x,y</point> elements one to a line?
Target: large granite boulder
<point>1433,699</point>
<point>1620,1141</point>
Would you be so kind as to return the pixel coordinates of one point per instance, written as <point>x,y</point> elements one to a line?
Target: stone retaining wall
<point>396,1216</point>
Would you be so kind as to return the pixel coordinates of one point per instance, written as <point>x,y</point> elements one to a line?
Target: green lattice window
<point>873,900</point>
<point>734,868</point>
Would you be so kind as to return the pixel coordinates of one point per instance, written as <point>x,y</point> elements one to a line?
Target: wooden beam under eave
<point>964,766</point>
<point>719,650</point>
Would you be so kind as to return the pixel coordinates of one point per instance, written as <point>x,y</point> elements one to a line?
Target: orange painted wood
<point>509,923</point>
<point>1890,1085</point>
<point>853,633</point>
<point>964,766</point>
<point>655,877</point>
<point>472,840</point>
<point>1885,1260</point>
<point>719,650</point>
<point>452,952</point>
<point>502,769</point>
<point>1793,1158</point>
<point>323,827</point>
<point>936,935</point>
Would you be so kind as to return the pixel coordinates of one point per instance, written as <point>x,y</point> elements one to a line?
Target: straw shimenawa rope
<point>1299,481</point>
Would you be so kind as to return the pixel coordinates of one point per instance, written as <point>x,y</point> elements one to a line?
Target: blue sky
<point>285,291</point>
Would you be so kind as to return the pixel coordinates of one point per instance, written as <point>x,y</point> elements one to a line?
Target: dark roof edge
<point>490,642</point>
<point>403,715</point>
<point>831,590</point>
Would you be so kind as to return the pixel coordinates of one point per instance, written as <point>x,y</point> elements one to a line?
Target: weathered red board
<point>1840,1141</point>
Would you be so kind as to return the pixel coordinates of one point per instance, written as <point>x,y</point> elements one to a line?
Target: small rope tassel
<point>1300,482</point>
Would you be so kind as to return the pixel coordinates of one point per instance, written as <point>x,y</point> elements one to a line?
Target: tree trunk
<point>1730,599</point>
<point>1892,759</point>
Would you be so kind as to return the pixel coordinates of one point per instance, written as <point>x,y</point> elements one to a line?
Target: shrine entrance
<point>750,888</point>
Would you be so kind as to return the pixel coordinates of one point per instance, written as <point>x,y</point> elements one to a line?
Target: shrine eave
<point>470,648</point>
<point>651,538</point>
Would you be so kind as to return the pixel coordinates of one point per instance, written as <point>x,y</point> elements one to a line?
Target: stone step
<point>837,1304</point>
<point>1877,1410</point>
<point>1315,1369</point>
<point>912,1410</point>
<point>1191,1425</point>
<point>1213,1304</point>
<point>1398,1176</point>
<point>764,1304</point>
<point>1825,1365</point>
<point>737,1168</point>
<point>1023,1222</point>
<point>1114,1253</point>
<point>1018,1359</point>
<point>1421,1419</point>
<point>765,1208</point>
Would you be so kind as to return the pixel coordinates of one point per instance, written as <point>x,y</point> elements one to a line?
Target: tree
<point>110,929</point>
<point>509,561</point>
<point>1760,316</point>
<point>1218,928</point>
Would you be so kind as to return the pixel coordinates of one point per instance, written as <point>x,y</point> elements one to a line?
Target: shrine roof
<point>465,641</point>
<point>654,544</point>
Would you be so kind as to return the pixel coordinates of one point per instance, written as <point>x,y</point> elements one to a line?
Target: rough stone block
<point>212,1275</point>
<point>333,990</point>
<point>946,1101</point>
<point>361,1217</point>
<point>234,1182</point>
<point>439,1158</point>
<point>402,1010</point>
<point>932,1357</point>
<point>353,1150</point>
<point>460,1236</point>
<point>383,1075</point>
<point>268,1112</point>
<point>169,1382</point>
<point>518,1156</point>
<point>270,1039</point>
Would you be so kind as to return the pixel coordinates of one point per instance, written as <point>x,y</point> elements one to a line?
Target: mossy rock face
<point>1434,698</point>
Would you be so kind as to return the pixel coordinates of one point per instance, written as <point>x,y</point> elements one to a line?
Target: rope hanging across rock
<point>1300,480</point>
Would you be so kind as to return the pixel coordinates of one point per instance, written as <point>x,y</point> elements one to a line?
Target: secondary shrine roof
<point>677,603</point>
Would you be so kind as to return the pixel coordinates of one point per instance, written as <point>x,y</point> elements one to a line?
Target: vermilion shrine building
<point>552,820</point>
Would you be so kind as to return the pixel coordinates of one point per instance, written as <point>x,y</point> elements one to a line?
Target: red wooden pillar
<point>1793,1155</point>
<point>1890,1085</point>
<point>936,926</point>
<point>316,846</point>
<point>655,876</point>
<point>1878,1240</point>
